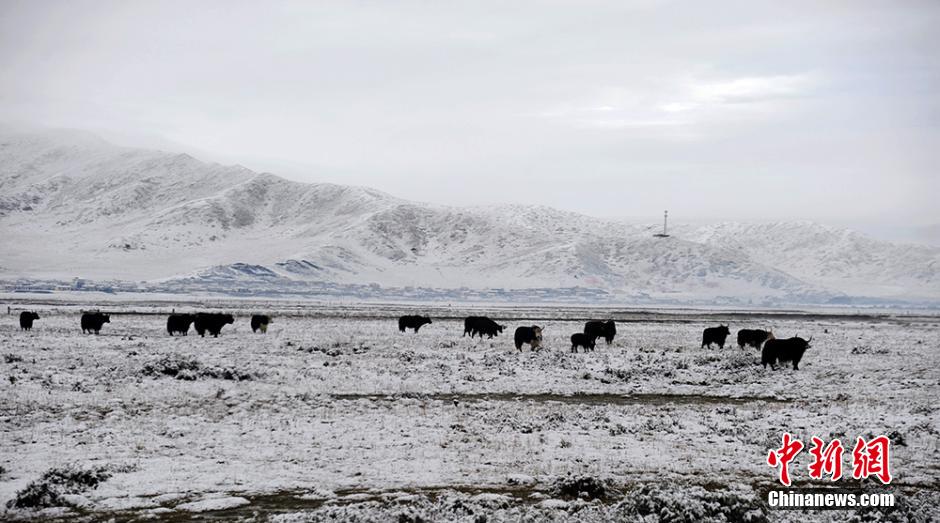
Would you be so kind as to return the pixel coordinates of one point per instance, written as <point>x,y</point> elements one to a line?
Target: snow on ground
<point>343,417</point>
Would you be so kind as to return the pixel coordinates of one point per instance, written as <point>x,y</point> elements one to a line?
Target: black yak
<point>212,322</point>
<point>92,322</point>
<point>412,322</point>
<point>179,323</point>
<point>753,337</point>
<point>580,339</point>
<point>260,322</point>
<point>601,329</point>
<point>715,335</point>
<point>531,335</point>
<point>26,320</point>
<point>782,351</point>
<point>481,325</point>
<point>471,325</point>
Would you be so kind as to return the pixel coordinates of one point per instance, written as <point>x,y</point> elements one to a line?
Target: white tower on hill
<point>663,234</point>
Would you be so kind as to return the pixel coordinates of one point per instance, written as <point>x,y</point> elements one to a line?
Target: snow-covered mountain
<point>72,205</point>
<point>833,257</point>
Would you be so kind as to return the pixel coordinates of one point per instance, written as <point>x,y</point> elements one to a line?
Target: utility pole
<point>664,234</point>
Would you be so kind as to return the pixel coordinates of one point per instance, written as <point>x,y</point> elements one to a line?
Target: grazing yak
<point>26,320</point>
<point>260,322</point>
<point>601,329</point>
<point>531,335</point>
<point>179,323</point>
<point>782,351</point>
<point>471,325</point>
<point>481,325</point>
<point>715,335</point>
<point>212,322</point>
<point>580,339</point>
<point>753,337</point>
<point>92,322</point>
<point>412,322</point>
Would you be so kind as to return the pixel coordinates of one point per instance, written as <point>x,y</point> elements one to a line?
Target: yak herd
<point>773,350</point>
<point>203,322</point>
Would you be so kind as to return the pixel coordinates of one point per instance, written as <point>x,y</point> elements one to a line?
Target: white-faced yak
<point>531,335</point>
<point>260,322</point>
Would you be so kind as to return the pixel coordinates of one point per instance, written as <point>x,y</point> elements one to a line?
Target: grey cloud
<point>753,110</point>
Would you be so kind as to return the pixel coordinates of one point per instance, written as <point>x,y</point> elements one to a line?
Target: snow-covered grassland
<point>335,414</point>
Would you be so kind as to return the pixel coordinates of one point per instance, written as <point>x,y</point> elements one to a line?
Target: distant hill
<point>73,205</point>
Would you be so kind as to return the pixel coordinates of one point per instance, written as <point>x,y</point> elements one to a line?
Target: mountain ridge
<point>76,206</point>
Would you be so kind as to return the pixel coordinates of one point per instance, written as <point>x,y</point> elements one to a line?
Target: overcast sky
<point>715,110</point>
